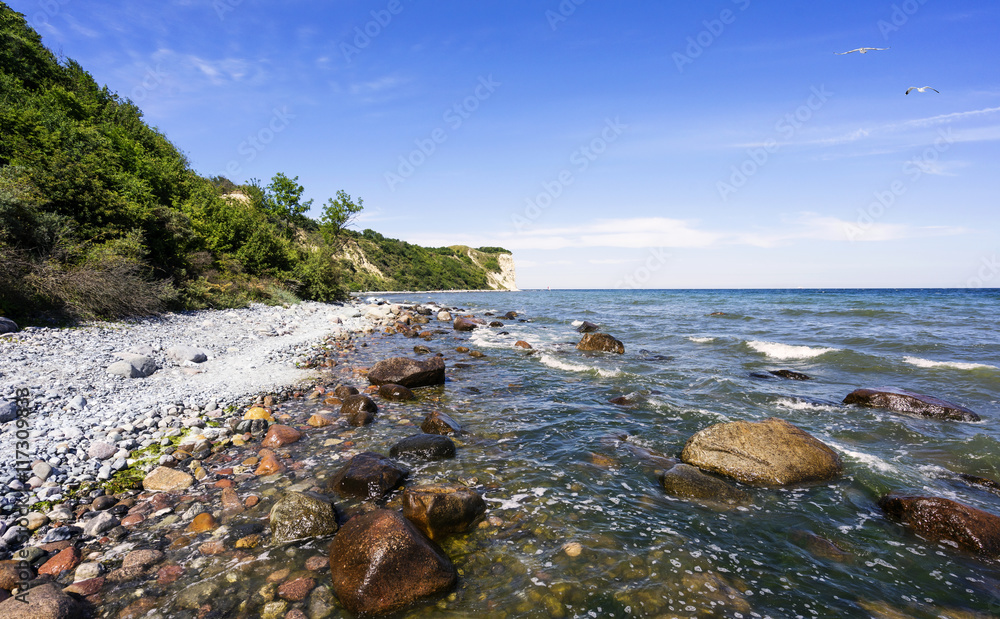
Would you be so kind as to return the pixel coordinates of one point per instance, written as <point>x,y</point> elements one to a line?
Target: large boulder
<point>600,342</point>
<point>464,324</point>
<point>410,373</point>
<point>359,410</point>
<point>945,520</point>
<point>772,452</point>
<point>7,326</point>
<point>368,476</point>
<point>437,422</point>
<point>380,563</point>
<point>902,401</point>
<point>688,482</point>
<point>142,363</point>
<point>441,510</point>
<point>424,446</point>
<point>297,516</point>
<point>47,601</point>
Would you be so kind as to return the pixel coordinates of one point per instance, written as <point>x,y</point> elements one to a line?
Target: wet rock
<point>269,464</point>
<point>442,510</point>
<point>141,559</point>
<point>380,563</point>
<point>189,354</point>
<point>424,446</point>
<point>103,503</point>
<point>463,324</point>
<point>297,589</point>
<point>13,572</point>
<point>496,324</point>
<point>411,373</point>
<point>139,608</point>
<point>396,393</point>
<point>86,587</point>
<point>510,316</point>
<point>359,410</point>
<point>47,601</point>
<point>789,374</point>
<point>345,391</point>
<point>622,400</point>
<point>258,412</point>
<point>945,520</point>
<point>522,344</point>
<point>297,516</point>
<point>444,316</point>
<point>689,482</point>
<point>65,561</point>
<point>321,420</point>
<point>104,521</point>
<point>202,523</point>
<point>985,483</point>
<point>163,479</point>
<point>321,602</point>
<point>280,435</point>
<point>769,452</point>
<point>902,401</point>
<point>820,546</point>
<point>440,423</point>
<point>600,342</point>
<point>368,476</point>
<point>587,327</point>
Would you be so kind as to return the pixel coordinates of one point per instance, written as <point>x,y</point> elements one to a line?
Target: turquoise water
<point>560,466</point>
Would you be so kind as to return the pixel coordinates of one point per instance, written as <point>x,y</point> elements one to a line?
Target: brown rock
<point>945,520</point>
<point>13,573</point>
<point>380,563</point>
<point>65,561</point>
<point>212,548</point>
<point>169,574</point>
<point>269,464</point>
<point>87,587</point>
<point>464,324</point>
<point>321,420</point>
<point>441,510</point>
<point>297,589</point>
<point>231,503</point>
<point>359,409</point>
<point>523,344</point>
<point>368,476</point>
<point>251,500</point>
<point>462,349</point>
<point>772,452</point>
<point>689,482</point>
<point>138,608</point>
<point>317,563</point>
<point>202,522</point>
<point>600,342</point>
<point>47,601</point>
<point>902,401</point>
<point>132,520</point>
<point>298,516</point>
<point>345,391</point>
<point>411,373</point>
<point>163,479</point>
<point>142,558</point>
<point>396,393</point>
<point>587,327</point>
<point>440,423</point>
<point>279,436</point>
<point>250,541</point>
<point>296,613</point>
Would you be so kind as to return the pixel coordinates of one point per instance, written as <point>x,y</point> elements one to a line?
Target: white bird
<point>863,50</point>
<point>921,89</point>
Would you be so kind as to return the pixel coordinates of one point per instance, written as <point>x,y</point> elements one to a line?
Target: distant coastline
<point>378,292</point>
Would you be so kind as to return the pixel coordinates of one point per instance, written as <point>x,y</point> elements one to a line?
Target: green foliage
<point>493,250</point>
<point>338,214</point>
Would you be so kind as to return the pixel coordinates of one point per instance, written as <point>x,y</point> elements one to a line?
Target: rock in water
<point>425,446</point>
<point>409,373</point>
<point>396,393</point>
<point>772,452</point>
<point>790,374</point>
<point>165,479</point>
<point>359,409</point>
<point>601,342</point>
<point>297,516</point>
<point>441,510</point>
<point>440,423</point>
<point>280,435</point>
<point>902,401</point>
<point>587,327</point>
<point>380,563</point>
<point>685,481</point>
<point>945,520</point>
<point>464,324</point>
<point>368,475</point>
<point>46,601</point>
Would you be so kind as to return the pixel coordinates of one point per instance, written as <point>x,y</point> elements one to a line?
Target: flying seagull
<point>921,89</point>
<point>863,50</point>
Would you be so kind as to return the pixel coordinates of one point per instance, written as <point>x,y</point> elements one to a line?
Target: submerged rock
<point>368,475</point>
<point>440,423</point>
<point>600,342</point>
<point>296,516</point>
<point>359,409</point>
<point>396,393</point>
<point>770,452</point>
<point>945,520</point>
<point>587,327</point>
<point>689,482</point>
<point>380,563</point>
<point>424,446</point>
<point>440,510</point>
<point>902,401</point>
<point>789,374</point>
<point>409,373</point>
<point>280,435</point>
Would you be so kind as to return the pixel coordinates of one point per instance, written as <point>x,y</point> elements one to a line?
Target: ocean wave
<point>868,459</point>
<point>788,351</point>
<point>701,340</point>
<point>576,323</point>
<point>552,362</point>
<point>804,405</point>
<point>955,365</point>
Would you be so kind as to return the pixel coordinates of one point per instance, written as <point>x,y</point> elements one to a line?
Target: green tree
<point>284,198</point>
<point>338,214</point>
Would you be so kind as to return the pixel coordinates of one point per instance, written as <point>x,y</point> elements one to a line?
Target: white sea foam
<point>802,405</point>
<point>955,365</point>
<point>868,459</point>
<point>552,362</point>
<point>788,351</point>
<point>577,323</point>
<point>701,340</point>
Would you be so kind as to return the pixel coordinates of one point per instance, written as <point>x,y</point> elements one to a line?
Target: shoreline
<point>378,292</point>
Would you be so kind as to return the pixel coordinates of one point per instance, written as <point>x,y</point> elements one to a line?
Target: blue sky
<point>637,144</point>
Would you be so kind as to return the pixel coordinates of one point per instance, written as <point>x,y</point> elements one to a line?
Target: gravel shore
<point>82,421</point>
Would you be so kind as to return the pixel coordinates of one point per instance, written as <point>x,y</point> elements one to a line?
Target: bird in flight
<point>921,89</point>
<point>863,50</point>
